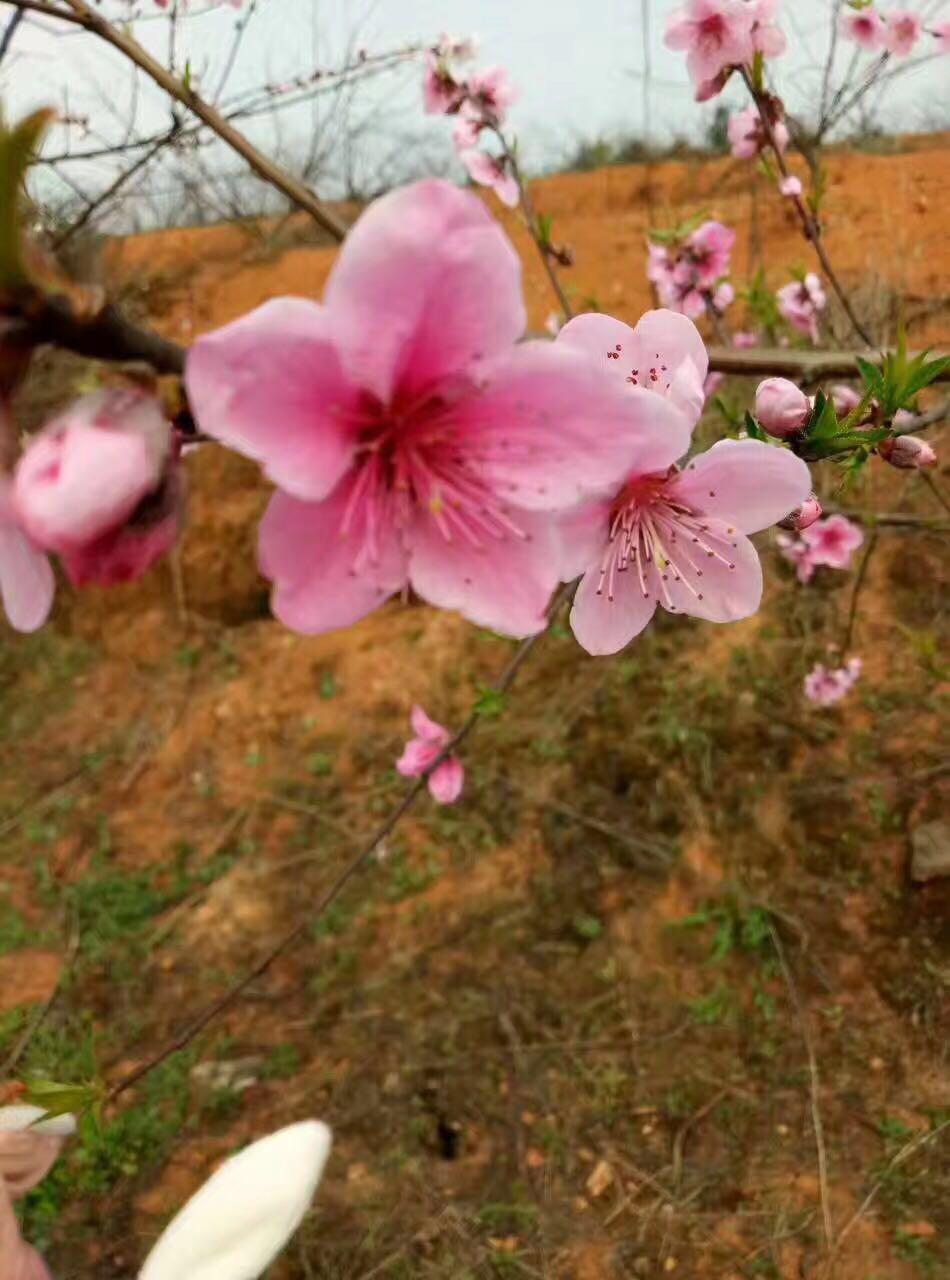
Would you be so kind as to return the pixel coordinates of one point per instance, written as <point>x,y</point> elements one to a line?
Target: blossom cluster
<point>690,276</point>
<point>831,542</point>
<point>825,686</point>
<point>480,102</point>
<point>896,33</point>
<point>801,303</point>
<point>719,36</point>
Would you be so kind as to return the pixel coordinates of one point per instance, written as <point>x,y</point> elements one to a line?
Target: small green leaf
<point>490,703</point>
<point>61,1099</point>
<point>18,147</point>
<point>824,420</point>
<point>545,228</point>
<point>753,428</point>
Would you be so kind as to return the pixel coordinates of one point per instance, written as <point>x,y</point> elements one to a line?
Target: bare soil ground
<point>586,1023</point>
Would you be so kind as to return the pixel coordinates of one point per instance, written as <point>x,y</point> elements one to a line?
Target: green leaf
<point>62,1099</point>
<point>872,375</point>
<point>490,703</point>
<point>545,228</point>
<point>18,147</point>
<point>824,421</point>
<point>753,428</point>
<point>927,373</point>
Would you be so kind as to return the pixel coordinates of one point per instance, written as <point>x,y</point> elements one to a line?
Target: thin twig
<point>856,593</point>
<point>9,33</point>
<point>21,1046</point>
<point>810,224</point>
<point>808,366</point>
<point>934,489</point>
<point>353,867</point>
<point>814,1090</point>
<point>87,17</point>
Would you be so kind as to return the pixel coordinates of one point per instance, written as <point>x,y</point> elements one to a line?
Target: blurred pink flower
<point>413,438</point>
<point>492,171</point>
<point>825,687</point>
<point>644,546</point>
<point>801,303</point>
<point>711,385</point>
<point>466,133</point>
<point>791,186</point>
<point>844,398</point>
<point>27,584</point>
<point>768,38</point>
<point>710,250</point>
<point>942,33</point>
<point>866,28</point>
<point>724,295</point>
<point>744,340</point>
<point>781,407</point>
<point>747,136</point>
<point>904,28</point>
<point>833,541</point>
<point>715,34</point>
<point>796,552</point>
<point>445,782</point>
<point>442,94</point>
<point>489,95</point>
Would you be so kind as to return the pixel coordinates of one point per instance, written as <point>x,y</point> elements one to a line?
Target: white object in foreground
<point>238,1222</point>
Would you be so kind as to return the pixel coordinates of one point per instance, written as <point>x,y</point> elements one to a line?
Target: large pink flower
<point>715,34</point>
<point>665,536</point>
<point>802,302</point>
<point>833,541</point>
<point>710,251</point>
<point>27,584</point>
<point>489,95</point>
<point>446,780</point>
<point>904,28</point>
<point>768,38</point>
<point>492,171</point>
<point>411,439</point>
<point>866,28</point>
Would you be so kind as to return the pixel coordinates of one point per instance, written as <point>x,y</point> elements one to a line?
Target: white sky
<point>577,63</point>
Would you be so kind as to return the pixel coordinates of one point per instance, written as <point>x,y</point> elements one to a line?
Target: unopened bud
<point>781,407</point>
<point>908,453</point>
<point>802,517</point>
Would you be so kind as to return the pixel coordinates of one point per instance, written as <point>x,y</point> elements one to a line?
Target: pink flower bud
<point>802,517</point>
<point>908,453</point>
<point>781,407</point>
<point>86,472</point>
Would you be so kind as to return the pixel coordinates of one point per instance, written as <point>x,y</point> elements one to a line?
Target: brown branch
<point>856,593</point>
<point>810,224</point>
<point>809,366</point>
<point>356,864</point>
<point>105,336</point>
<point>86,17</point>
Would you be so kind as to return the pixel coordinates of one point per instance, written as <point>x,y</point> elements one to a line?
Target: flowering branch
<point>353,867</point>
<point>811,227</point>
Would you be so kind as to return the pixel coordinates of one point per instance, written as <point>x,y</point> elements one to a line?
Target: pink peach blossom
<point>27,584</point>
<point>866,28</point>
<point>904,28</point>
<point>466,133</point>
<point>84,474</point>
<point>414,440</point>
<point>833,541</point>
<point>909,453</point>
<point>801,303</point>
<point>678,539</point>
<point>768,38</point>
<point>747,135</point>
<point>844,398</point>
<point>714,33</point>
<point>825,687</point>
<point>745,340</point>
<point>802,517</point>
<point>791,187</point>
<point>490,95</point>
<point>781,407</point>
<point>724,295</point>
<point>712,385</point>
<point>710,250</point>
<point>796,552</point>
<point>446,780</point>
<point>492,171</point>
<point>442,94</point>
<point>942,34</point>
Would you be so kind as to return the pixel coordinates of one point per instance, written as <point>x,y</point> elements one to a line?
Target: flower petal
<point>446,782</point>
<point>425,728</point>
<point>271,385</point>
<point>27,584</point>
<point>416,757</point>
<point>714,591</point>
<point>745,483</point>
<point>548,429</point>
<point>662,340</point>
<point>323,580</point>
<point>503,584</point>
<point>602,625</point>
<point>426,284</point>
<point>238,1222</point>
<point>582,534</point>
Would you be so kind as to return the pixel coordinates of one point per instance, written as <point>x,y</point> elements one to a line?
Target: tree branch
<point>85,16</point>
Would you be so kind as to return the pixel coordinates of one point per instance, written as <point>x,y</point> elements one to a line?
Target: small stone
<point>601,1177</point>
<point>930,851</point>
<point>237,1075</point>
<point>878,1064</point>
